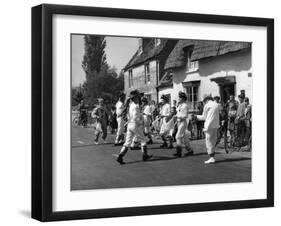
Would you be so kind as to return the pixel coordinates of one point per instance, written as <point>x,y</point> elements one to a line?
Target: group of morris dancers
<point>136,114</point>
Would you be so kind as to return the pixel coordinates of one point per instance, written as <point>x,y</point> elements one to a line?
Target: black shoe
<point>118,144</point>
<point>120,160</point>
<point>164,145</point>
<point>178,155</point>
<point>178,152</point>
<point>146,157</point>
<point>149,142</point>
<point>189,153</point>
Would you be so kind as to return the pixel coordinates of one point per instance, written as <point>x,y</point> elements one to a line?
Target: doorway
<point>227,87</point>
<point>227,90</point>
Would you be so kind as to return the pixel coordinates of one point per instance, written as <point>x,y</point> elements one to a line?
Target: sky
<point>119,51</point>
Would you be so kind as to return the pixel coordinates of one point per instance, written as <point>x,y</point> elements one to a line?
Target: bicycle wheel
<point>75,121</point>
<point>249,145</point>
<point>231,143</point>
<point>225,143</point>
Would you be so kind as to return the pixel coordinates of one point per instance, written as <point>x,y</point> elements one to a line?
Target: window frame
<point>157,41</point>
<point>192,66</point>
<point>192,85</point>
<point>147,73</point>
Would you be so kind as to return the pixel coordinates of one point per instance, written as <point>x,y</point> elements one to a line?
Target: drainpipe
<point>157,80</point>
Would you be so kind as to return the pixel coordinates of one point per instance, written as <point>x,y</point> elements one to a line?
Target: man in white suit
<point>134,128</point>
<point>211,125</point>
<point>182,135</point>
<point>166,116</point>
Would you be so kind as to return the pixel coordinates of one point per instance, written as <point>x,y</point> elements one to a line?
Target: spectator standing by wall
<point>83,113</point>
<point>211,125</point>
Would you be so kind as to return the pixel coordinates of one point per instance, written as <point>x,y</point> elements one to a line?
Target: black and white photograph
<point>150,111</point>
<point>142,112</point>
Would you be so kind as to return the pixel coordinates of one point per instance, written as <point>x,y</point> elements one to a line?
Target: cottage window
<point>130,78</point>
<point>190,65</point>
<point>193,66</point>
<point>192,93</point>
<point>147,73</point>
<point>188,58</point>
<point>192,96</point>
<point>157,41</point>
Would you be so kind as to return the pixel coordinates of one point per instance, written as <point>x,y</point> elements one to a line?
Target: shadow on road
<point>165,158</point>
<point>233,160</point>
<point>85,145</point>
<point>89,145</point>
<point>153,159</point>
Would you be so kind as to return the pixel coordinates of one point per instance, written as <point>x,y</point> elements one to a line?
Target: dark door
<point>226,90</point>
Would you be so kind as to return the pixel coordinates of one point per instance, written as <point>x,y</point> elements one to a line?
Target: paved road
<point>94,166</point>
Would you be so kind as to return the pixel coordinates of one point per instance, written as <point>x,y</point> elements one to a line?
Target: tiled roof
<point>149,51</point>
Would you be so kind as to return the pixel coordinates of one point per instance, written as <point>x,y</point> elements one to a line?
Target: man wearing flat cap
<point>211,125</point>
<point>182,136</point>
<point>100,113</point>
<point>134,128</point>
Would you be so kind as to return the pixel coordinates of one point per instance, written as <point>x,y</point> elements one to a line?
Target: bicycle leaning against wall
<point>236,132</point>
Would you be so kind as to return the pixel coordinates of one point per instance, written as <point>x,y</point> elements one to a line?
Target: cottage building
<point>199,67</point>
<point>146,67</point>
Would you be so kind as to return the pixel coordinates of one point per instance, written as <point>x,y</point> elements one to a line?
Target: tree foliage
<point>106,85</point>
<point>94,57</point>
<point>102,81</point>
<point>77,96</point>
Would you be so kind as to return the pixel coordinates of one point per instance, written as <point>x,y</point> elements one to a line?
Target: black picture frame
<point>42,111</point>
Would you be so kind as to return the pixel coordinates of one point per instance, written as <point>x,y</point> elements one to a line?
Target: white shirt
<point>147,110</point>
<point>210,115</point>
<point>152,107</point>
<point>166,110</point>
<point>134,114</point>
<point>182,111</point>
<point>119,108</point>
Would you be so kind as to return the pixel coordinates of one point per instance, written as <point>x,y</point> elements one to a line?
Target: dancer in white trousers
<point>134,128</point>
<point>147,119</point>
<point>211,125</point>
<point>182,135</point>
<point>120,120</point>
<point>166,116</point>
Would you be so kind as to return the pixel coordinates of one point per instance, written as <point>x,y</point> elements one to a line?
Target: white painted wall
<point>235,64</point>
